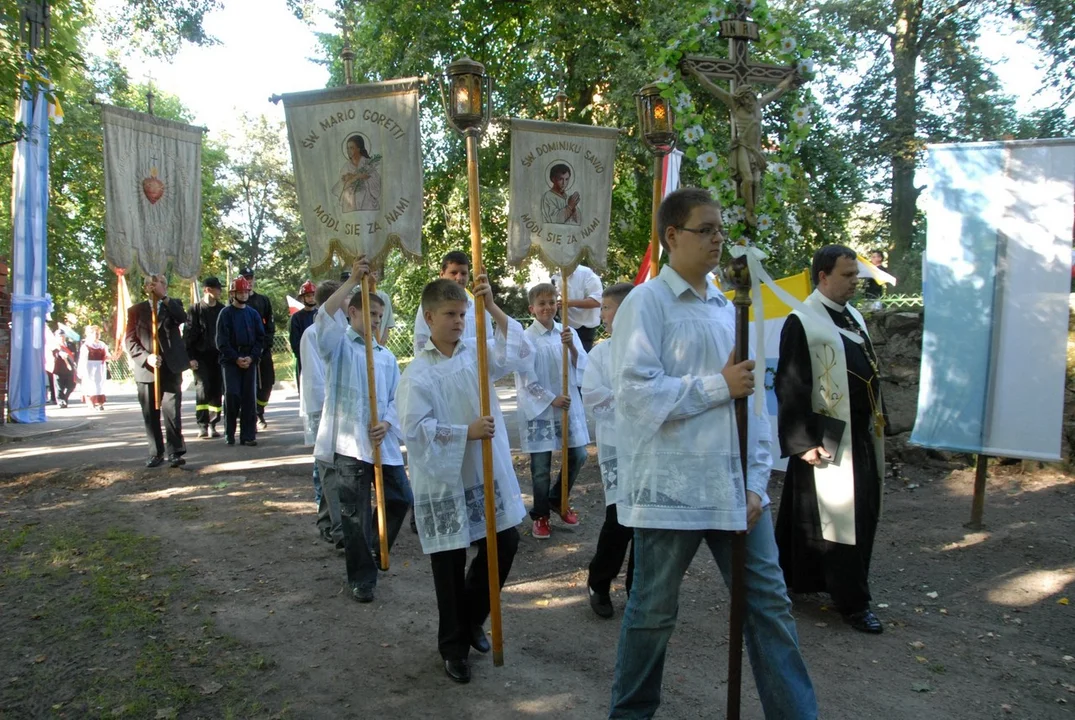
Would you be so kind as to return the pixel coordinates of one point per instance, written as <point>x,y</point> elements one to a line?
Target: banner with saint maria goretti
<point>561,193</point>
<point>153,192</point>
<point>357,155</point>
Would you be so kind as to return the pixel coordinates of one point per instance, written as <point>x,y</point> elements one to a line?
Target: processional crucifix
<point>745,158</point>
<point>747,165</point>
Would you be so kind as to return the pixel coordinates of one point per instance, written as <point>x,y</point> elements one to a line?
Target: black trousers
<point>171,398</point>
<point>65,385</point>
<point>266,379</point>
<point>612,546</point>
<point>586,336</point>
<point>209,389</point>
<point>463,595</point>
<point>239,399</point>
<point>354,481</point>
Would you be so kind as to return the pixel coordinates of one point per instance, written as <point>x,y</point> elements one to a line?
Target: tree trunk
<point>903,142</point>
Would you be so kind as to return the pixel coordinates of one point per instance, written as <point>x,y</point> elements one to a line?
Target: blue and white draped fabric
<point>29,302</point>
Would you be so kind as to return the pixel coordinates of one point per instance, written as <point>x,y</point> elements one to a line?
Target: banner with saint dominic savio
<point>153,193</point>
<point>561,193</point>
<point>357,155</point>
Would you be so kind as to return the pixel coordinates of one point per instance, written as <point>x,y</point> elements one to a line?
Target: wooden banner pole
<point>378,471</point>
<point>565,489</point>
<point>484,400</point>
<point>654,241</point>
<point>156,351</point>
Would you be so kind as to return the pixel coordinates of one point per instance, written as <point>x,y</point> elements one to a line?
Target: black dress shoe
<point>362,593</point>
<point>600,603</point>
<point>478,640</point>
<point>249,443</point>
<point>230,441</point>
<point>213,432</point>
<point>458,670</point>
<point>865,621</point>
<point>155,461</point>
<point>176,460</point>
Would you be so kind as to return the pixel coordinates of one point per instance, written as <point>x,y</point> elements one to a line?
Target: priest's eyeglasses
<point>707,232</point>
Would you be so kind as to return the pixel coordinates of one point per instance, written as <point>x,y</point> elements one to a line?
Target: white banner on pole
<point>153,192</point>
<point>357,154</point>
<point>996,289</point>
<point>561,193</point>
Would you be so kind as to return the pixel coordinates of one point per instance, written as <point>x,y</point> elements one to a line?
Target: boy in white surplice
<point>442,427</point>
<point>541,402</point>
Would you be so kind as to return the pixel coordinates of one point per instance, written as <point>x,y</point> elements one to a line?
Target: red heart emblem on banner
<point>153,188</point>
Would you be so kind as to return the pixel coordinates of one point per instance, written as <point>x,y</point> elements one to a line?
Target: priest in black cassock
<point>831,427</point>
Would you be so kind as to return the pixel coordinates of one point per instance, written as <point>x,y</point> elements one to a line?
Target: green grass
<point>104,602</point>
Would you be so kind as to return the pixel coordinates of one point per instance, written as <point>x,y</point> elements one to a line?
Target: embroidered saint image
<point>556,205</point>
<point>359,186</point>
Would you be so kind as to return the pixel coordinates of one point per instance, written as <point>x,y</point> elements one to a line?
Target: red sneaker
<point>541,528</point>
<point>570,517</point>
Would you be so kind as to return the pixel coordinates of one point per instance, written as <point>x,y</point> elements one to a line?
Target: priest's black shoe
<point>478,640</point>
<point>458,670</point>
<point>249,443</point>
<point>155,460</point>
<point>865,621</point>
<point>176,460</point>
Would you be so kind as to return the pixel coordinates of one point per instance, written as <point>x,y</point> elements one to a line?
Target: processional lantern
<point>658,123</point>
<point>469,95</point>
<point>657,119</point>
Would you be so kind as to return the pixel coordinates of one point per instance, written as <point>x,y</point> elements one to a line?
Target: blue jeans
<point>317,485</point>
<point>661,558</point>
<point>545,497</point>
<point>353,481</point>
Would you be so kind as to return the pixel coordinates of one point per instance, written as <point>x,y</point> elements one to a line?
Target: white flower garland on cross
<point>701,147</point>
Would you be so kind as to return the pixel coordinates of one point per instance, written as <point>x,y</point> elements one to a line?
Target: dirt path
<point>204,592</point>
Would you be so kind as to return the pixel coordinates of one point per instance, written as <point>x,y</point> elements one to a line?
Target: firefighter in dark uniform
<point>266,371</point>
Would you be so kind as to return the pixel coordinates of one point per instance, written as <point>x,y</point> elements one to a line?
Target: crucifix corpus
<point>747,165</point>
<point>745,158</point>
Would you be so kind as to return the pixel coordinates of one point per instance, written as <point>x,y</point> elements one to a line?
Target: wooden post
<point>484,401</point>
<point>654,241</point>
<point>565,424</point>
<point>977,509</point>
<point>156,351</point>
<point>740,277</point>
<point>371,382</point>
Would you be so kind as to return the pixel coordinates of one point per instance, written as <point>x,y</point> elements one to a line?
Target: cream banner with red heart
<point>153,193</point>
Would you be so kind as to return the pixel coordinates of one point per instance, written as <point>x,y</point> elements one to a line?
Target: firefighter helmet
<point>240,284</point>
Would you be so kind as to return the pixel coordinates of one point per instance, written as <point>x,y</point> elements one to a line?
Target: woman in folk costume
<point>831,425</point>
<point>92,358</point>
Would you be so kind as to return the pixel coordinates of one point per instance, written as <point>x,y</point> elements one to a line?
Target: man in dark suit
<point>170,357</point>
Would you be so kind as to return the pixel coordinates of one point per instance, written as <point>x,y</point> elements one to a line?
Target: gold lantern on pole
<point>658,123</point>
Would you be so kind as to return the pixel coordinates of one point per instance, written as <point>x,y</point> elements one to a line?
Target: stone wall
<point>897,340</point>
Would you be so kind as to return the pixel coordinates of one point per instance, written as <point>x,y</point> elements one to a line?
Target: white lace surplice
<point>541,383</point>
<point>470,327</point>
<point>92,372</point>
<point>345,420</point>
<point>438,399</point>
<point>312,386</point>
<point>601,404</point>
<point>679,465</point>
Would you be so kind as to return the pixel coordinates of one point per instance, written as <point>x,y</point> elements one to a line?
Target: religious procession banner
<point>357,155</point>
<point>153,193</point>
<point>561,193</point>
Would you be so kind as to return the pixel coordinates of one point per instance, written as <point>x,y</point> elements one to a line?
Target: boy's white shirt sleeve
<point>593,287</point>
<point>645,393</point>
<point>760,461</point>
<point>597,393</point>
<point>509,351</point>
<point>582,359</point>
<point>391,415</point>
<point>421,332</point>
<point>330,331</point>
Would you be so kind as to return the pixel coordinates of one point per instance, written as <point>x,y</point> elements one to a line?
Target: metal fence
<point>401,342</point>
